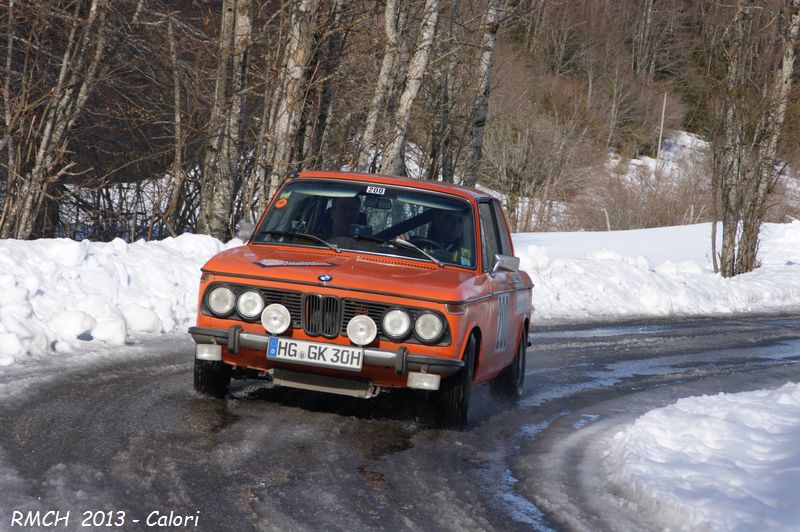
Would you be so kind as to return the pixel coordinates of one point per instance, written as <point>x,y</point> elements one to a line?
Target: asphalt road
<point>124,440</point>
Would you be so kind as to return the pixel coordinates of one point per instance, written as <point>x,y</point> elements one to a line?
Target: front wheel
<point>211,378</point>
<point>508,385</point>
<point>454,394</point>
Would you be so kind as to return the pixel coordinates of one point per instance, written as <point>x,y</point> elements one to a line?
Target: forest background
<point>149,118</point>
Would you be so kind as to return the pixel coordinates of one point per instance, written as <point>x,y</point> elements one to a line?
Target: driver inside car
<point>447,231</point>
<point>343,214</point>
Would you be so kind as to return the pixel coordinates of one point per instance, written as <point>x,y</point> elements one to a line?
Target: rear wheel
<point>211,378</point>
<point>508,385</point>
<point>454,394</point>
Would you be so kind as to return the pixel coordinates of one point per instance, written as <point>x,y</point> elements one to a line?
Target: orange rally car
<point>357,283</point>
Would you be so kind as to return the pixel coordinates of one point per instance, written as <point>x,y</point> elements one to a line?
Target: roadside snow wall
<point>57,294</point>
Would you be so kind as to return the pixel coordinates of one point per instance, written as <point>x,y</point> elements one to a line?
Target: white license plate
<point>325,355</point>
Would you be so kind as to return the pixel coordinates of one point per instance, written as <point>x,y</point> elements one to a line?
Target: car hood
<point>369,273</point>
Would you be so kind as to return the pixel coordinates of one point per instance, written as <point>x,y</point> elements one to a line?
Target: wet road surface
<point>132,438</point>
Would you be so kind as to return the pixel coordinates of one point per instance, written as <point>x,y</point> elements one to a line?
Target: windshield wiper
<point>307,236</point>
<point>401,244</point>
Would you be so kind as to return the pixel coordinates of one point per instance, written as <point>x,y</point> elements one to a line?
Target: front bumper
<point>402,361</point>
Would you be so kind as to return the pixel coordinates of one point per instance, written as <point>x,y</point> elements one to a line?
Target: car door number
<point>503,309</point>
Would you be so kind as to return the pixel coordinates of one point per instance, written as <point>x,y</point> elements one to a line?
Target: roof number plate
<point>376,190</point>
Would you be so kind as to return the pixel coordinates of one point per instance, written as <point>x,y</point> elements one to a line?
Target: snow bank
<point>654,273</point>
<point>57,294</point>
<point>681,154</point>
<point>725,462</point>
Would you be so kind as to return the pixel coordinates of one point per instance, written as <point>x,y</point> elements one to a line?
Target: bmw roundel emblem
<point>325,278</point>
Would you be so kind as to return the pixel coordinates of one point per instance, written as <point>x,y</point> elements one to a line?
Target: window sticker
<point>376,190</point>
<point>281,203</point>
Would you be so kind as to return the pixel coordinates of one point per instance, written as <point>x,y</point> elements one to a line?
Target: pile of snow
<point>726,462</point>
<point>681,153</point>
<point>58,294</point>
<point>650,273</point>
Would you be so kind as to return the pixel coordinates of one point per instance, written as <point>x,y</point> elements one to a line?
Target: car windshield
<point>372,219</point>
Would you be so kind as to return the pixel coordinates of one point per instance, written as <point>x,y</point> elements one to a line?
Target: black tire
<point>211,378</point>
<point>454,394</point>
<point>508,385</point>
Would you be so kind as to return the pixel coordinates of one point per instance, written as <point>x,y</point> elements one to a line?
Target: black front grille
<point>374,310</point>
<point>289,299</point>
<point>322,315</point>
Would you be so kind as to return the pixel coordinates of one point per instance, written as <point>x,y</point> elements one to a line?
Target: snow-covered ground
<point>725,462</point>
<point>57,296</point>
<point>647,273</point>
<point>681,154</point>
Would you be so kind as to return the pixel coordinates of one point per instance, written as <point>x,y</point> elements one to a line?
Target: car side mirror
<point>244,230</point>
<point>505,262</point>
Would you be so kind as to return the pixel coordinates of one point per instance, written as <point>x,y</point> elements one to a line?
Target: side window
<point>491,242</point>
<point>505,240</point>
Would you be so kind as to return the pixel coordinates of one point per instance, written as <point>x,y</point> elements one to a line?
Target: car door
<point>498,336</point>
<point>519,303</point>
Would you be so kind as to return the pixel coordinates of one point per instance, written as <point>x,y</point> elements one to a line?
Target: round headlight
<point>276,318</point>
<point>396,323</point>
<point>428,327</point>
<point>221,300</point>
<point>361,330</point>
<point>250,304</point>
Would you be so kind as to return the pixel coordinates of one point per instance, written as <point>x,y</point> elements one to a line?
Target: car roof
<point>436,186</point>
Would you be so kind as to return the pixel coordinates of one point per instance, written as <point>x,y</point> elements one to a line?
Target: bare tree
<point>368,150</point>
<point>328,60</point>
<point>222,157</point>
<point>178,175</point>
<point>291,98</point>
<point>770,129</point>
<point>755,101</point>
<point>643,43</point>
<point>441,152</point>
<point>39,116</point>
<point>393,158</point>
<point>491,22</point>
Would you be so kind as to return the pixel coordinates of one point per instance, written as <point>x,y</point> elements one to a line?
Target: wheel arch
<point>476,331</point>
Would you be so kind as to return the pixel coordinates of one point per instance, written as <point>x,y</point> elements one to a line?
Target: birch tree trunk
<point>292,95</point>
<point>259,184</point>
<point>368,150</point>
<point>171,214</point>
<point>8,137</point>
<point>480,110</point>
<point>745,171</point>
<point>730,168</point>
<point>332,56</point>
<point>767,147</point>
<point>643,43</point>
<point>441,151</point>
<point>393,162</point>
<point>221,160</point>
